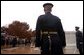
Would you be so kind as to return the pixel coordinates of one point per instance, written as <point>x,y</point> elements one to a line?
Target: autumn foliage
<point>20,29</point>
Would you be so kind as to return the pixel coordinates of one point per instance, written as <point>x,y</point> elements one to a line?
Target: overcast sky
<point>70,12</point>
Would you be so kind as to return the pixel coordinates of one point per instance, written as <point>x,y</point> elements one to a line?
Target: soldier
<point>14,42</point>
<point>49,32</point>
<point>79,40</point>
<point>2,40</point>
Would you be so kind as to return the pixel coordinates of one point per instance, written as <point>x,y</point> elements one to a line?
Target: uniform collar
<point>47,13</point>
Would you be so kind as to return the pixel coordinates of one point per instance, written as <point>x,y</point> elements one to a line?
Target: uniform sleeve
<point>38,41</point>
<point>61,34</point>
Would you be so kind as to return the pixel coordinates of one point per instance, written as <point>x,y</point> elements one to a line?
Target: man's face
<point>47,8</point>
<point>76,29</point>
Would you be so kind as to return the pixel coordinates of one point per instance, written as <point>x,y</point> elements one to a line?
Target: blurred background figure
<point>79,40</point>
<point>32,41</point>
<point>2,40</point>
<point>14,42</point>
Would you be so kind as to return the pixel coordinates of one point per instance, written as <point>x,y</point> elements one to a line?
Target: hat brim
<point>48,4</point>
<point>77,27</point>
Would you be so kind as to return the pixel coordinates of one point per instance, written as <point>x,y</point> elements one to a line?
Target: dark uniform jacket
<point>79,39</point>
<point>44,23</point>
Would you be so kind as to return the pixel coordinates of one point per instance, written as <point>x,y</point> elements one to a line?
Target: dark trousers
<point>52,52</point>
<point>46,52</point>
<point>81,51</point>
<point>14,45</point>
<point>80,48</point>
<point>56,47</point>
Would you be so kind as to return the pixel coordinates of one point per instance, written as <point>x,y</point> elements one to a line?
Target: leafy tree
<point>19,29</point>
